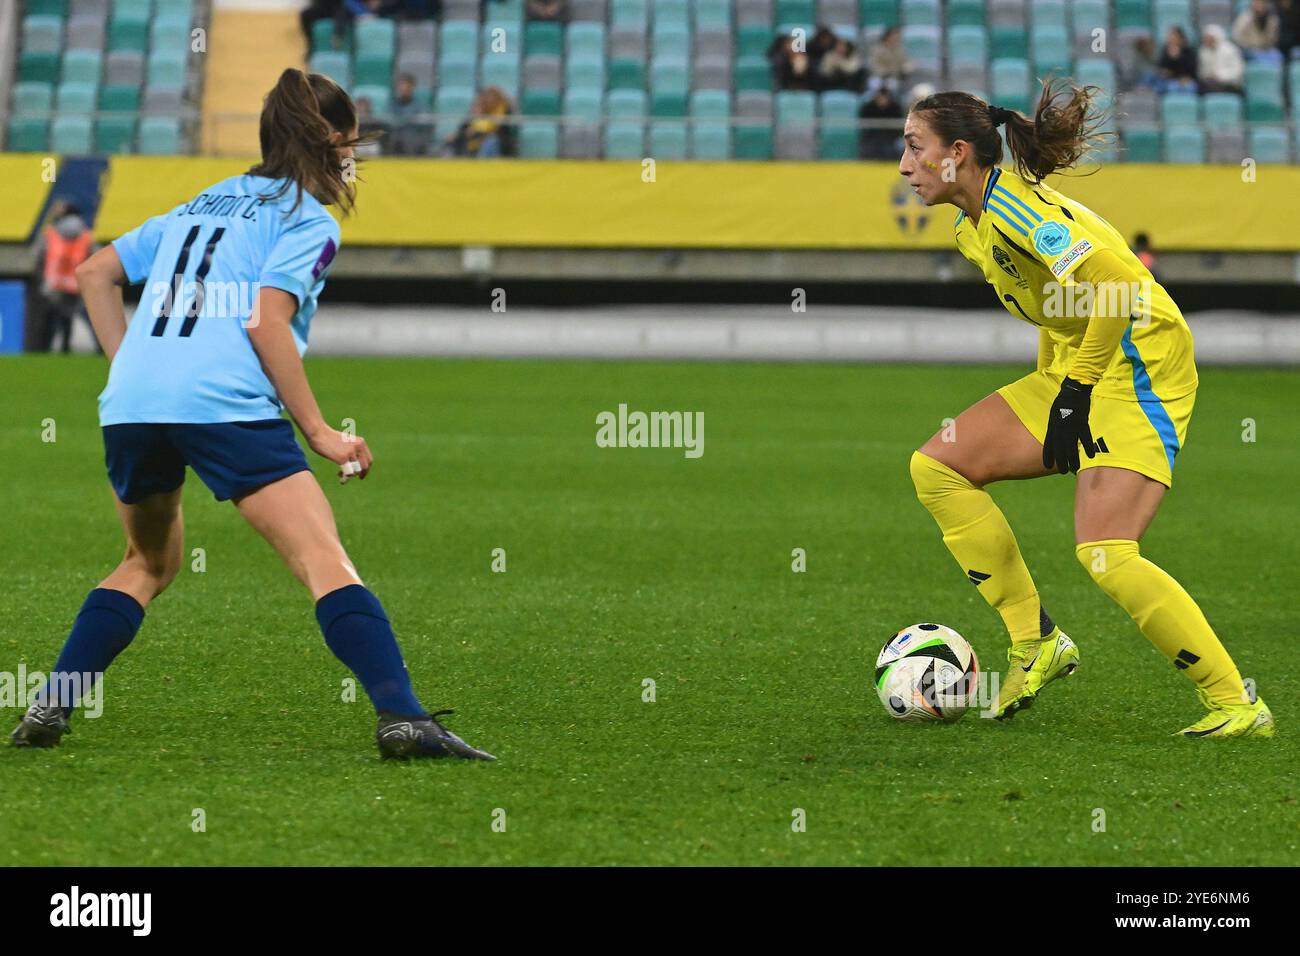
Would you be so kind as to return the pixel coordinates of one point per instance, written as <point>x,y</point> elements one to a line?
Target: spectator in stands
<point>409,137</point>
<point>1221,65</point>
<point>880,141</point>
<point>371,131</point>
<point>887,60</point>
<point>1140,68</point>
<point>65,244</point>
<point>360,9</point>
<point>823,41</point>
<point>325,10</point>
<point>1177,63</point>
<point>842,67</point>
<point>548,10</point>
<point>1288,14</point>
<point>1142,249</point>
<point>1257,29</point>
<point>791,66</point>
<point>486,133</point>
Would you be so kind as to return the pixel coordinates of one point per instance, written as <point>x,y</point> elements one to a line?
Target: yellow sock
<point>1166,614</point>
<point>977,534</point>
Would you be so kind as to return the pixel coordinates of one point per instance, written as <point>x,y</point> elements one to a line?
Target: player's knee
<point>933,479</point>
<point>1103,559</point>
<point>158,567</point>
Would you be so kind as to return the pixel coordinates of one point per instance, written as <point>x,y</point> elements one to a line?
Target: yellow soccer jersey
<point>1029,242</point>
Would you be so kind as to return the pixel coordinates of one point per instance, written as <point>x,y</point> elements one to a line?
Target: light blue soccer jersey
<point>186,356</point>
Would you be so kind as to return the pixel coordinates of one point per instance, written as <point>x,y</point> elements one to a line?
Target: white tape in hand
<point>350,469</point>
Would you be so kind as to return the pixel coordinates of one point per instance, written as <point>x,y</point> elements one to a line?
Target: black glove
<point>1067,427</point>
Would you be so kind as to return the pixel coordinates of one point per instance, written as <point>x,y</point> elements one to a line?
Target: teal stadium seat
<point>128,34</point>
<point>1222,111</point>
<point>626,74</point>
<point>752,142</point>
<point>624,140</point>
<point>71,135</point>
<point>1009,84</point>
<point>82,66</point>
<point>712,13</point>
<point>546,38</point>
<point>838,135</point>
<point>1264,103</point>
<point>1008,42</point>
<point>539,139</point>
<point>379,97</point>
<point>1170,13</point>
<point>322,36</point>
<point>920,13</point>
<point>457,72</point>
<point>1051,50</point>
<point>1268,144</point>
<point>668,141</point>
<point>540,103</point>
<point>372,69</point>
<point>119,99</point>
<point>626,105</point>
<point>160,136</point>
<point>77,98</point>
<point>502,72</point>
<point>33,98</point>
<point>754,40</point>
<point>1047,13</point>
<point>675,12</point>
<point>1133,14</point>
<point>585,72</point>
<point>114,134</point>
<point>877,14</point>
<point>1180,108</point>
<point>968,45</point>
<point>49,8</point>
<point>965,13</point>
<point>42,33</point>
<point>1095,71</point>
<point>170,31</point>
<point>1184,144</point>
<point>458,39</point>
<point>375,35</point>
<point>753,73</point>
<point>1089,15</point>
<point>28,134</point>
<point>166,68</point>
<point>451,105</point>
<point>710,133</point>
<point>673,39</point>
<point>623,12</point>
<point>336,65</point>
<point>585,39</point>
<point>35,66</point>
<point>1142,143</point>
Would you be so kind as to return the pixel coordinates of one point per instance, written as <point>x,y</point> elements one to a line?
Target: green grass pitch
<point>627,564</point>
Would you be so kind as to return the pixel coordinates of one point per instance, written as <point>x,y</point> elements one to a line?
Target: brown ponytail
<point>298,117</point>
<point>1061,133</point>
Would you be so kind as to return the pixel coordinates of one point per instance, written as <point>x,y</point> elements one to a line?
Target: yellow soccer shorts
<point>1140,435</point>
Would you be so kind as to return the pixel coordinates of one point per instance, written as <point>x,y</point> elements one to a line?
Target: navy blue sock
<point>356,629</point>
<point>106,624</point>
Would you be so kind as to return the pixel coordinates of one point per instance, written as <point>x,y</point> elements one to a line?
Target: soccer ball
<point>927,672</point>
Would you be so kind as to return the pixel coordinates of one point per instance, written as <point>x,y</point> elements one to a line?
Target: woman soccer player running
<point>190,387</point>
<point>1115,374</point>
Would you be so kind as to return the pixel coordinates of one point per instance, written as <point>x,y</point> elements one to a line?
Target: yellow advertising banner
<point>615,204</point>
<point>27,178</point>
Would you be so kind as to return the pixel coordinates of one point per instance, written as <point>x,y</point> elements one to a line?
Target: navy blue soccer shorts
<point>231,458</point>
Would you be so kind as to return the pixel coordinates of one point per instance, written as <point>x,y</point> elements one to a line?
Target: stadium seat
<point>1268,144</point>
<point>539,139</point>
<point>323,38</point>
<point>461,11</point>
<point>417,36</point>
<point>1170,13</point>
<point>921,41</point>
<point>838,134</point>
<point>42,33</point>
<point>502,72</point>
<point>1003,13</point>
<point>710,141</point>
<point>629,11</point>
<point>794,11</point>
<point>668,103</point>
<point>1008,41</point>
<point>1133,13</point>
<point>1264,91</point>
<point>671,12</point>
<point>1141,143</point>
<point>1050,47</point>
<point>1184,144</point>
<point>711,73</point>
<point>38,67</point>
<point>419,65</point>
<point>379,97</point>
<point>968,45</point>
<point>86,33</point>
<point>50,8</point>
<point>1009,83</point>
<point>628,42</point>
<point>170,31</point>
<point>124,68</point>
<point>585,39</point>
<point>114,134</point>
<point>627,75</point>
<point>671,39</point>
<point>626,105</point>
<point>625,140</point>
<point>459,39</point>
<point>76,98</point>
<point>166,68</point>
<point>1180,108</point>
<point>920,13</point>
<point>1226,146</point>
<point>32,98</point>
<point>753,41</point>
<point>375,35</point>
<point>82,66</point>
<point>965,13</point>
<point>457,72</point>
<point>1096,72</point>
<point>1089,15</point>
<point>1214,11</point>
<point>28,134</point>
<point>545,38</point>
<point>580,136</point>
<point>585,71</point>
<point>667,140</point>
<point>593,11</point>
<point>1047,13</point>
<point>119,99</point>
<point>542,71</point>
<point>1222,110</point>
<point>540,102</point>
<point>128,35</point>
<point>337,66</point>
<point>71,135</point>
<point>451,106</point>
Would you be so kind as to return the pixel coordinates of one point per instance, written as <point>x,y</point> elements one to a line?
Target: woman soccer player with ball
<point>189,387</point>
<point>1115,375</point>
